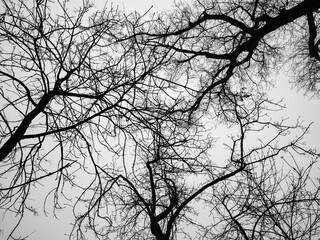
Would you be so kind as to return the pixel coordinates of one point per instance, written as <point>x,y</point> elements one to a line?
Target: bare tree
<point>153,93</point>
<point>71,82</point>
<point>222,53</point>
<point>247,191</point>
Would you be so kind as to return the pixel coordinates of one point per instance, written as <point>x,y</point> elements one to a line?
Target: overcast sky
<point>42,228</point>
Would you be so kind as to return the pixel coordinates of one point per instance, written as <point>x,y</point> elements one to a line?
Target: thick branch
<point>197,193</point>
<point>313,48</point>
<point>18,134</point>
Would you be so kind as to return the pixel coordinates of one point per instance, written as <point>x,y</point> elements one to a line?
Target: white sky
<point>142,5</point>
<point>297,106</point>
<point>49,228</point>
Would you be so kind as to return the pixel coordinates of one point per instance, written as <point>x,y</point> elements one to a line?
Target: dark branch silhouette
<point>159,125</point>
